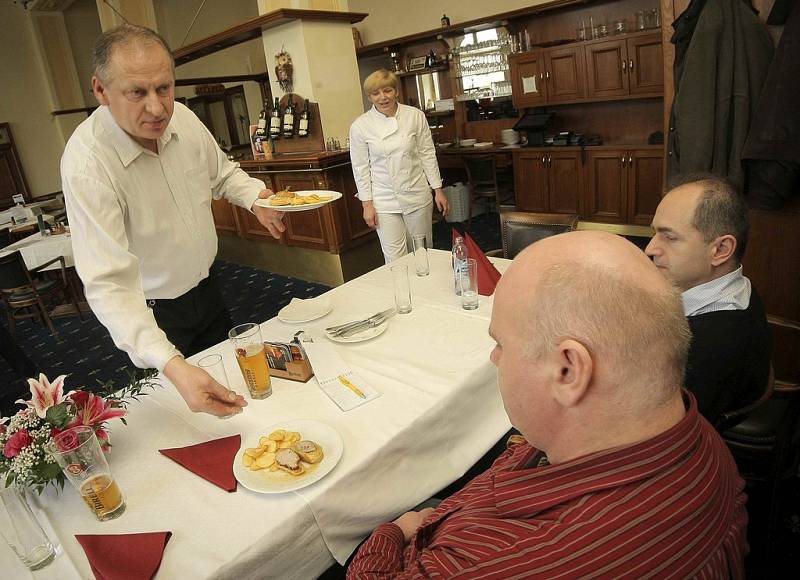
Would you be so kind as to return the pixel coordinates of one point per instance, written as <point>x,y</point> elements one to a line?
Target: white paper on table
<point>328,367</point>
<point>529,85</point>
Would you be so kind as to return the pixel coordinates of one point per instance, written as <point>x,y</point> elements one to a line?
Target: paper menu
<point>336,379</point>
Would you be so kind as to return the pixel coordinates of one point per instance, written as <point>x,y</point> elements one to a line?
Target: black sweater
<point>729,358</point>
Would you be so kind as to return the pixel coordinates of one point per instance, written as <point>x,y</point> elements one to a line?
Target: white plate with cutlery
<point>361,335</point>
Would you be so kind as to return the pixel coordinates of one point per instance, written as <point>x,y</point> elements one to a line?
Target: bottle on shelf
<point>302,127</point>
<point>445,20</point>
<point>288,120</point>
<point>275,120</point>
<point>459,262</point>
<point>261,133</point>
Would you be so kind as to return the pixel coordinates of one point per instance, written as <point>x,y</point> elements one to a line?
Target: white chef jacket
<point>394,159</point>
<point>141,223</point>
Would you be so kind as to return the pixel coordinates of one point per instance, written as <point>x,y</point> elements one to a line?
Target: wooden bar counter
<point>329,245</point>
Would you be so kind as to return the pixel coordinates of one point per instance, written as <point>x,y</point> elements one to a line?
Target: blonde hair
<point>379,79</point>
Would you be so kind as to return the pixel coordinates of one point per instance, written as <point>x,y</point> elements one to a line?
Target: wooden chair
<point>485,189</point>
<point>765,444</point>
<point>520,229</point>
<point>22,293</point>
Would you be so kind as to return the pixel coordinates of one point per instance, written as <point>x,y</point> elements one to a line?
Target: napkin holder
<point>293,370</point>
<point>299,371</point>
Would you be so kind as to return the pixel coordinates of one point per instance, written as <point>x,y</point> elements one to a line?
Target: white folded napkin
<point>300,310</point>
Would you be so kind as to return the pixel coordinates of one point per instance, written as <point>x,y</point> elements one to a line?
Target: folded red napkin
<point>212,460</point>
<point>124,556</point>
<point>488,275</point>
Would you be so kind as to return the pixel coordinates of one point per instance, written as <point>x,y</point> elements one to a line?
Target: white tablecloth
<point>37,250</point>
<point>439,412</point>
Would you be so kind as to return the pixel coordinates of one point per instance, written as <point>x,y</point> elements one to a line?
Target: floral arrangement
<point>23,458</point>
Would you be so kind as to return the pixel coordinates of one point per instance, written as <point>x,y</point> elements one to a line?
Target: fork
<point>371,322</point>
<point>342,327</point>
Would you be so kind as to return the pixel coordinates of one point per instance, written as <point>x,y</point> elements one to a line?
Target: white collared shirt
<point>394,159</point>
<point>728,292</point>
<point>141,223</point>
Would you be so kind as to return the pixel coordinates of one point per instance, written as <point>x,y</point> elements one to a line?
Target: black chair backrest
<point>520,229</point>
<point>13,272</point>
<point>481,169</point>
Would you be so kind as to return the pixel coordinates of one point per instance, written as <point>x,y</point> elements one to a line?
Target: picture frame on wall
<point>416,63</point>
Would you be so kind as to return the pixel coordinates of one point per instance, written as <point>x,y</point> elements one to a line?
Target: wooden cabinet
<point>548,180</point>
<point>625,66</point>
<point>624,185</point>
<point>226,218</point>
<point>548,77</point>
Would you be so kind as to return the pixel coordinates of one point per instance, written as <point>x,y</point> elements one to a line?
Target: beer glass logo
<point>76,468</point>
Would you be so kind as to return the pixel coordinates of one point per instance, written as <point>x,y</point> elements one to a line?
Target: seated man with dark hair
<point>701,235</point>
<point>619,475</point>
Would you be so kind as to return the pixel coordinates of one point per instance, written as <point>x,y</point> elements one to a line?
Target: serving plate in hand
<point>268,202</point>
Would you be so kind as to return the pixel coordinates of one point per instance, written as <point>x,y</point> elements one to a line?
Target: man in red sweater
<point>619,476</point>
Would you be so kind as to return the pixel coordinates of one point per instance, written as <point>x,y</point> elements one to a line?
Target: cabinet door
<point>249,226</point>
<point>565,74</point>
<point>605,199</point>
<point>527,79</point>
<point>645,64</point>
<point>225,216</point>
<point>305,228</point>
<point>645,174</point>
<point>607,68</point>
<point>530,180</point>
<point>565,181</point>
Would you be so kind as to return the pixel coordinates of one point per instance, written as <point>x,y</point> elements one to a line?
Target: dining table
<point>437,413</point>
<point>37,249</point>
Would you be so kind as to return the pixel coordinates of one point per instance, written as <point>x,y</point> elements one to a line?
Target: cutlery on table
<point>346,326</point>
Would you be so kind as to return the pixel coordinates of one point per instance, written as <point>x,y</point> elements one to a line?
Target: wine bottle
<point>288,120</point>
<point>275,121</point>
<point>302,129</point>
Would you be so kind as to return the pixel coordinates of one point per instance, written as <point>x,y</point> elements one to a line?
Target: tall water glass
<point>252,359</point>
<point>421,255</point>
<point>215,367</point>
<point>468,279</point>
<point>402,288</point>
<point>78,453</point>
<point>22,531</point>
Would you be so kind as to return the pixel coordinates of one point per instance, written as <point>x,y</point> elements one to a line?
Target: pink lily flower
<point>45,394</point>
<point>92,410</point>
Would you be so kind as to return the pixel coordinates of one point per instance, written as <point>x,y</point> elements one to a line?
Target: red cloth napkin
<point>488,275</point>
<point>124,556</point>
<point>212,460</point>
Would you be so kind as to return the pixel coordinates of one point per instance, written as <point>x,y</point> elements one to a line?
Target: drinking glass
<point>78,453</point>
<point>468,281</point>
<point>421,255</point>
<point>22,531</point>
<point>214,366</point>
<point>252,359</point>
<point>402,288</point>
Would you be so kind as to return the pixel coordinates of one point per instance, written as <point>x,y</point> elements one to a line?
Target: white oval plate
<point>266,481</point>
<point>298,310</point>
<point>267,202</point>
<point>365,334</point>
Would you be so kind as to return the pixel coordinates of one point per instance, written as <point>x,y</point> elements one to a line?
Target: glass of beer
<point>78,452</point>
<point>252,359</point>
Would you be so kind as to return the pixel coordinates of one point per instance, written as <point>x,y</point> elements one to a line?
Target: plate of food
<point>287,200</point>
<point>287,456</point>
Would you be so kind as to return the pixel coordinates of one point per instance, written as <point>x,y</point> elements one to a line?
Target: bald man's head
<point>602,291</point>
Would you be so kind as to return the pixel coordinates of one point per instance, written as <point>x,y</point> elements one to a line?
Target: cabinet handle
<point>549,161</point>
<point>548,74</point>
<point>630,161</point>
<point>541,76</point>
<point>624,64</point>
<point>630,65</point>
<point>623,161</point>
<point>544,161</point>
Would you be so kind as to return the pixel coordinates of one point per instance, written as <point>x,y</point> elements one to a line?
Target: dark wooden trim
<point>253,28</point>
<point>468,26</point>
<point>262,77</point>
<point>71,111</point>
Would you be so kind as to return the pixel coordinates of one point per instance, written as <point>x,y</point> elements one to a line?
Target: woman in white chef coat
<point>394,164</point>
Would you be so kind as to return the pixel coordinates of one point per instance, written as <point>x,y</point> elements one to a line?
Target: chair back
<point>520,229</point>
<point>481,170</point>
<point>13,272</point>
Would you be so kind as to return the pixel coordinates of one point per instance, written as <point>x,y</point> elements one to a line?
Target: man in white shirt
<point>138,177</point>
<point>701,235</point>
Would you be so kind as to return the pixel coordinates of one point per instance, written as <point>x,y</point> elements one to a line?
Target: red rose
<point>19,441</point>
<point>67,440</point>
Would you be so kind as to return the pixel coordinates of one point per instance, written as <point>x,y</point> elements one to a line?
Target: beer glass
<point>78,453</point>
<point>252,359</point>
<point>215,367</point>
<point>22,531</point>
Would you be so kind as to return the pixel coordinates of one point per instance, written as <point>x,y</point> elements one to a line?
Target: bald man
<point>618,475</point>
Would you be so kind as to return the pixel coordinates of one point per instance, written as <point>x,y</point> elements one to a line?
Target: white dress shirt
<point>141,223</point>
<point>394,160</point>
<point>729,292</point>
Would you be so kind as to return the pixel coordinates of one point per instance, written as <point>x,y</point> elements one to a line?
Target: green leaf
<point>58,415</point>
